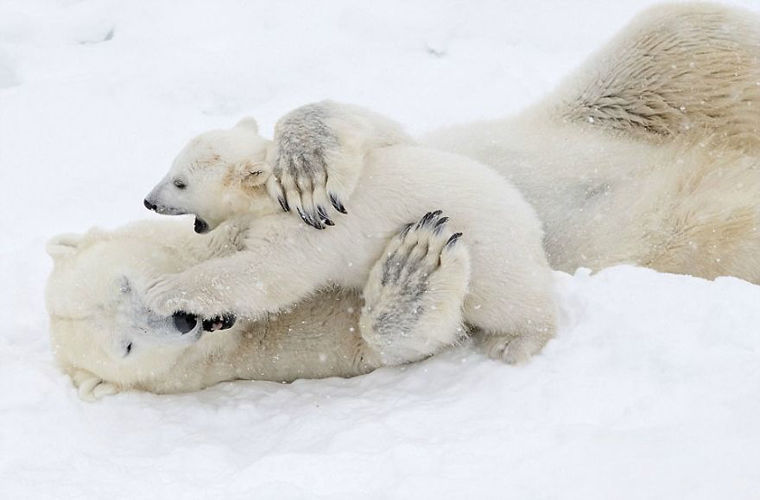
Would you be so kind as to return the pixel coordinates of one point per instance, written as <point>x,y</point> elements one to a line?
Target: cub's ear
<point>248,122</point>
<point>63,245</point>
<point>252,173</point>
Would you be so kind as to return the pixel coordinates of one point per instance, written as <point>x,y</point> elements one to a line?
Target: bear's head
<point>101,332</point>
<point>216,176</point>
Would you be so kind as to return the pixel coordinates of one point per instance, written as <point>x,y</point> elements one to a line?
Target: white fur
<point>318,150</point>
<point>284,260</point>
<point>190,187</point>
<point>649,153</point>
<point>95,314</point>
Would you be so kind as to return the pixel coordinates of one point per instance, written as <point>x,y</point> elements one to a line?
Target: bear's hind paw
<point>91,388</point>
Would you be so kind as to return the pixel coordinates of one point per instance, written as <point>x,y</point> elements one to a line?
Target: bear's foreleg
<point>317,157</point>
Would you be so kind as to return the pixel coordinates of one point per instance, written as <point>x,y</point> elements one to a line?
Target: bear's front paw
<point>303,158</point>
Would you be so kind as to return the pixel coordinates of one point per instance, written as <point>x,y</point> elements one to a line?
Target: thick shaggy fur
<point>649,154</point>
<point>675,70</point>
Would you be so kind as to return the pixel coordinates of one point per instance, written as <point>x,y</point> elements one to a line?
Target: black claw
<point>425,219</point>
<point>452,240</point>
<point>323,216</point>
<point>337,204</point>
<point>309,219</point>
<point>283,203</point>
<point>438,227</point>
<point>315,222</point>
<point>303,216</point>
<point>405,230</point>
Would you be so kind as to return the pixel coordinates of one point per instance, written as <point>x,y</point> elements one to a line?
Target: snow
<point>651,389</point>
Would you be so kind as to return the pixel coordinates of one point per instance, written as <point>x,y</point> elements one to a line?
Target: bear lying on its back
<point>108,341</point>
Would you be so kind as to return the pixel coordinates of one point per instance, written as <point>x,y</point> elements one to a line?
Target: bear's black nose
<point>184,322</point>
<point>200,226</point>
<point>149,205</point>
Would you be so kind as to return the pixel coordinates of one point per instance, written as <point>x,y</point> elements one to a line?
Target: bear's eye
<point>179,184</point>
<point>128,349</point>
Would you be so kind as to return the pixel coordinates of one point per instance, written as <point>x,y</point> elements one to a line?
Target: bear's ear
<point>68,244</point>
<point>63,245</point>
<point>248,122</point>
<point>251,173</point>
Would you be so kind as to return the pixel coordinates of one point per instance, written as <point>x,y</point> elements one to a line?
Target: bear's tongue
<point>200,225</point>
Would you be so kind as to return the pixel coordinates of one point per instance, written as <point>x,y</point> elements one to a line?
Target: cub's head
<point>218,175</point>
<point>101,332</point>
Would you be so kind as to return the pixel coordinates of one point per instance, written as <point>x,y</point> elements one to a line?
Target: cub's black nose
<point>149,205</point>
<point>184,322</point>
<point>200,226</point>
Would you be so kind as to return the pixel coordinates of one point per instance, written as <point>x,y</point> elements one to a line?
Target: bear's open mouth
<point>185,322</point>
<point>219,323</point>
<point>200,225</point>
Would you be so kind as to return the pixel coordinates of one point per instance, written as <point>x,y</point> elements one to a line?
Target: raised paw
<point>413,297</point>
<point>308,164</point>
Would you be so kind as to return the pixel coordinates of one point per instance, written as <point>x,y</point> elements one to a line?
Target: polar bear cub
<point>225,175</point>
<point>108,341</point>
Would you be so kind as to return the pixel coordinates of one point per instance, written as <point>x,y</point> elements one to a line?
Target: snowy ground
<point>651,390</point>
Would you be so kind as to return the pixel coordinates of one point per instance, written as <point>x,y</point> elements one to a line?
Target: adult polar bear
<point>648,155</point>
<point>108,341</point>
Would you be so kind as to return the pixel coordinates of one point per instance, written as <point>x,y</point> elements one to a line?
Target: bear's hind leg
<point>514,313</point>
<point>514,348</point>
<point>90,387</point>
<point>414,294</point>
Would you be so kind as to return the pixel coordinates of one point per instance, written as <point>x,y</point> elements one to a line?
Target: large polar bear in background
<point>649,153</point>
